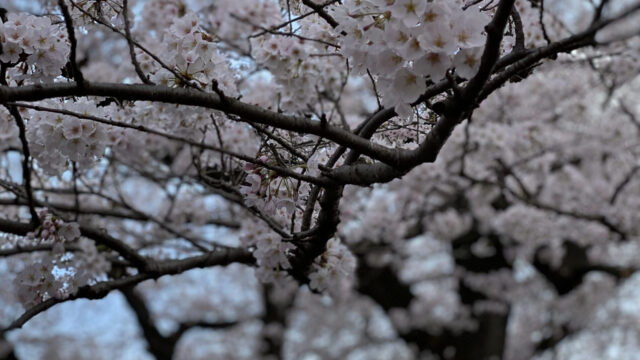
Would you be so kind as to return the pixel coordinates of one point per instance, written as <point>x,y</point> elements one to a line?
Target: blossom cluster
<point>302,62</point>
<point>55,230</point>
<point>270,251</point>
<point>190,52</point>
<point>404,42</point>
<point>56,139</point>
<point>333,271</point>
<point>248,16</point>
<point>304,66</point>
<point>268,191</point>
<point>33,43</point>
<point>38,280</point>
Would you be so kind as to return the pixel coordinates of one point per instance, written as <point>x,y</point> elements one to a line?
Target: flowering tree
<point>384,179</point>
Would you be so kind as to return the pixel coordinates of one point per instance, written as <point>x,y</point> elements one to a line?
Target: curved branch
<point>75,70</point>
<point>167,267</point>
<point>255,114</point>
<point>132,54</point>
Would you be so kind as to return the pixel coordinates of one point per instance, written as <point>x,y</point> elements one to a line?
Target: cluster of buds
<point>54,230</point>
<point>38,280</point>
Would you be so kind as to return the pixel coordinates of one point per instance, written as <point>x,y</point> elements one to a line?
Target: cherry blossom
<point>406,179</point>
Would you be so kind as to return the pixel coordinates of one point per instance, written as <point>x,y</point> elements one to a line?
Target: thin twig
<point>75,70</point>
<point>281,170</point>
<point>26,163</point>
<point>127,31</point>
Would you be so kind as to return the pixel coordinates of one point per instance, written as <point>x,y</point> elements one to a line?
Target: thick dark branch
<point>583,39</point>
<point>452,111</point>
<point>476,90</point>
<point>399,160</point>
<point>597,15</point>
<point>161,347</point>
<point>186,326</point>
<point>319,9</point>
<point>365,174</point>
<point>255,114</point>
<point>491,54</point>
<point>168,267</point>
<point>15,227</point>
<point>518,28</point>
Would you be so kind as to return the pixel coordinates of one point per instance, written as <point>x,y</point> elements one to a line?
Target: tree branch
<point>75,70</point>
<point>255,114</point>
<point>167,267</point>
<point>132,54</point>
